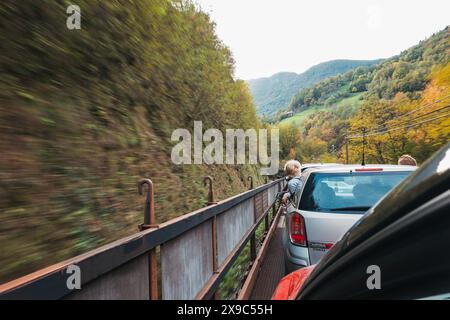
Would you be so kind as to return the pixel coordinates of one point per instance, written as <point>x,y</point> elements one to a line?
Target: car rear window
<point>347,192</point>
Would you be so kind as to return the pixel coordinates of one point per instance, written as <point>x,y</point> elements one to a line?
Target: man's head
<point>407,160</point>
<point>292,168</point>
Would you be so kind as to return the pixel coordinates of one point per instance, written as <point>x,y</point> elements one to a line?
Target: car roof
<point>308,165</point>
<point>352,167</point>
<point>430,180</point>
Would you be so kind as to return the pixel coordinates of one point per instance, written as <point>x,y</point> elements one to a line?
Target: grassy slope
<point>298,119</point>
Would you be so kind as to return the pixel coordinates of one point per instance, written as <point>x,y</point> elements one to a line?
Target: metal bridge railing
<point>196,250</point>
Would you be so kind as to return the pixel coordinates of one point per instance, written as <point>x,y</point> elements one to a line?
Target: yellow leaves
<point>289,139</point>
<point>291,153</point>
<point>436,95</point>
<point>440,77</point>
<point>329,158</point>
<point>439,86</point>
<point>391,122</point>
<point>327,133</point>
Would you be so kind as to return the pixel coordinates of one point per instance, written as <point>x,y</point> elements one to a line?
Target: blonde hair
<point>407,160</point>
<point>292,168</point>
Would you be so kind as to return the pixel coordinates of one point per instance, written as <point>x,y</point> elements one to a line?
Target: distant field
<point>298,118</point>
<point>352,102</point>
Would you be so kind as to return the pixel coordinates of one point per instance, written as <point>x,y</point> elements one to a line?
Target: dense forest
<point>390,101</point>
<point>274,93</point>
<point>85,113</point>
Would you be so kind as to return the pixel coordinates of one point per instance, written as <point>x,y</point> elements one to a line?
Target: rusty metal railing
<point>210,288</point>
<point>149,222</point>
<point>196,250</point>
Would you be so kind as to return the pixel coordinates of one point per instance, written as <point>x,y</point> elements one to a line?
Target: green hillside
<point>373,97</point>
<point>274,93</point>
<point>405,73</point>
<point>351,104</point>
<point>85,113</point>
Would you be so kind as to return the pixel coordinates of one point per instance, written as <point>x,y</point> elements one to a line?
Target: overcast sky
<point>269,36</point>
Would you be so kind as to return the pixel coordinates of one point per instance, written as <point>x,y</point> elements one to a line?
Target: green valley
<point>275,93</point>
<point>351,104</point>
<point>319,118</point>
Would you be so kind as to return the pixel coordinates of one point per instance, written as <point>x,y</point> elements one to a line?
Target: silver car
<point>331,200</point>
<point>306,166</point>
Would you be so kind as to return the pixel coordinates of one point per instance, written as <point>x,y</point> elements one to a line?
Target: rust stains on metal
<point>208,180</point>
<point>214,245</point>
<point>250,178</point>
<point>149,209</point>
<point>149,222</point>
<point>232,212</point>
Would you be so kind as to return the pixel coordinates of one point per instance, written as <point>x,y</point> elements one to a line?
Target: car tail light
<point>298,231</point>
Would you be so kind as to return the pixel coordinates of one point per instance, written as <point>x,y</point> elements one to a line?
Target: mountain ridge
<point>270,94</point>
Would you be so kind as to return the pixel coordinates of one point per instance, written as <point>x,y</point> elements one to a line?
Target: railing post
<point>149,222</point>
<point>208,180</point>
<point>267,220</point>
<point>253,237</point>
<point>279,202</point>
<point>250,178</point>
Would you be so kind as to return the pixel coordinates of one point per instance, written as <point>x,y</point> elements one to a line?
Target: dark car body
<point>406,236</point>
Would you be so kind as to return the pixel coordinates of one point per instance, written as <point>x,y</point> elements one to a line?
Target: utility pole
<point>333,148</point>
<point>363,146</point>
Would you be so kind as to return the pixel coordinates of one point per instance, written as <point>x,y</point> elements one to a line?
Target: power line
<point>420,108</point>
<point>383,128</point>
<point>410,112</point>
<point>398,128</point>
<point>423,115</point>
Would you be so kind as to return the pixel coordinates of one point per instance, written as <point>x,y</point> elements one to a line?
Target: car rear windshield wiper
<point>361,208</point>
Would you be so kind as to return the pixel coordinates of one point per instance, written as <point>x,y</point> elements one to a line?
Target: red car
<point>289,287</point>
<point>398,250</point>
